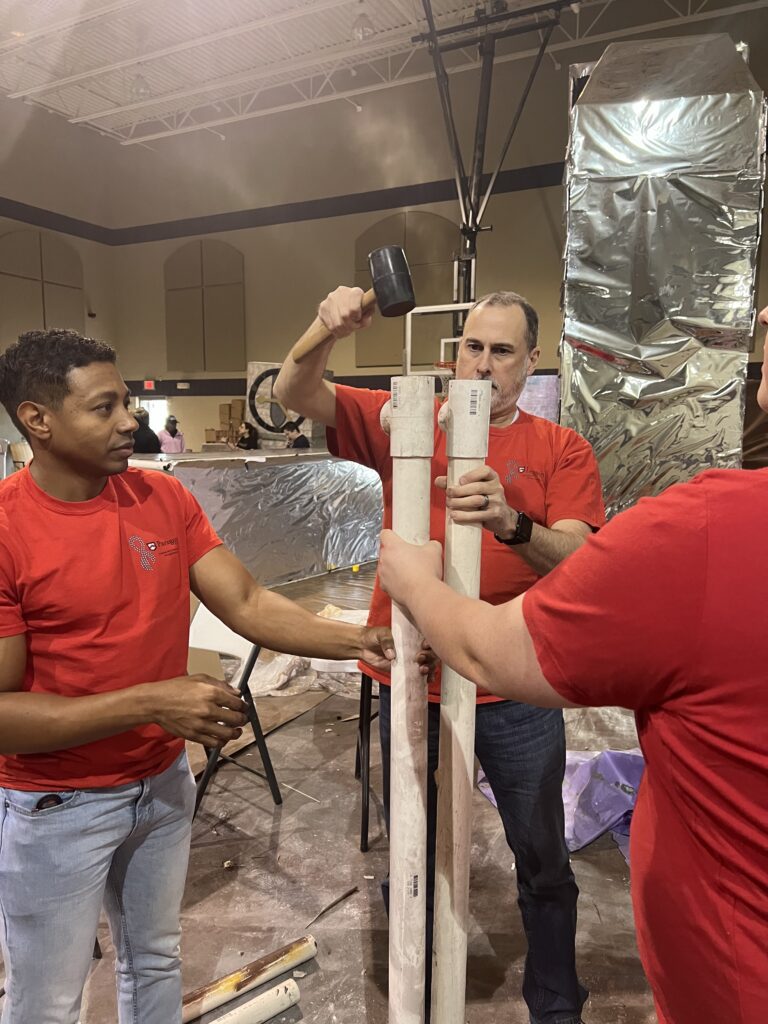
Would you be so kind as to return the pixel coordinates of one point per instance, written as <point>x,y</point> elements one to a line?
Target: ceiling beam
<point>36,34</point>
<point>568,44</point>
<point>319,63</point>
<point>188,44</point>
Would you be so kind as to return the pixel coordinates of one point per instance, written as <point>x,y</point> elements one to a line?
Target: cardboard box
<point>210,435</point>
<point>225,413</point>
<point>238,410</point>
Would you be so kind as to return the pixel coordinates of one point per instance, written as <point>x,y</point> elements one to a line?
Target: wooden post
<point>411,447</point>
<point>466,421</point>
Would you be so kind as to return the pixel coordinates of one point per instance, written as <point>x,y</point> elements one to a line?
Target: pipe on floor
<point>264,1006</point>
<point>258,972</point>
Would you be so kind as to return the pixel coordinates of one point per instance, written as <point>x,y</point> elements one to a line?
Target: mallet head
<point>391,278</point>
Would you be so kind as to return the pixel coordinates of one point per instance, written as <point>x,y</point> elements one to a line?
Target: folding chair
<point>363,754</point>
<point>207,633</point>
<point>363,748</point>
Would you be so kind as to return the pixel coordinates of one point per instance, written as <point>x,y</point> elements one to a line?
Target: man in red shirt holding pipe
<point>96,797</point>
<point>661,612</point>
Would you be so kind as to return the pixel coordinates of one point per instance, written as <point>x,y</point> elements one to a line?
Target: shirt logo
<point>146,552</point>
<point>516,469</point>
<point>513,469</point>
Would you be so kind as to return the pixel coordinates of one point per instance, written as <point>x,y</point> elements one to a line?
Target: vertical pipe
<point>411,447</point>
<point>466,422</point>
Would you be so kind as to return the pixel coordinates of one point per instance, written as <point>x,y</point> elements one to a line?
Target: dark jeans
<point>522,752</point>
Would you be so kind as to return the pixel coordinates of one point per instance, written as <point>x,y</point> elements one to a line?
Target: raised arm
<point>301,386</point>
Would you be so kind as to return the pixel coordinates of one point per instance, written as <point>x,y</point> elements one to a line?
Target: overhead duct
<point>665,173</point>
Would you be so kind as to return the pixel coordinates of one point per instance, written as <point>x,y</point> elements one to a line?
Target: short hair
<point>513,299</point>
<point>142,415</point>
<point>290,425</point>
<point>35,368</point>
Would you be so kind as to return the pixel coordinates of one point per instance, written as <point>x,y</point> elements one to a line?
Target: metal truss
<point>343,72</point>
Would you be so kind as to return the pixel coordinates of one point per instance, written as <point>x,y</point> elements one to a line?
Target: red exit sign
<point>149,385</point>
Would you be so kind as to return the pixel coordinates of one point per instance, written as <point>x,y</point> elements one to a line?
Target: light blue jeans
<point>126,848</point>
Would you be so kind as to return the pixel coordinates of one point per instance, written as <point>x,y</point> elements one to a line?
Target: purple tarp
<point>599,794</point>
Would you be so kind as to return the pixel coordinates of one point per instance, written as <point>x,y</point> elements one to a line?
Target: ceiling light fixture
<point>362,27</point>
<point>139,88</point>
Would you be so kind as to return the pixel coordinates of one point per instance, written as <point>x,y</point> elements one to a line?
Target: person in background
<point>295,438</point>
<point>247,437</point>
<point>538,500</point>
<point>145,440</point>
<point>171,438</point>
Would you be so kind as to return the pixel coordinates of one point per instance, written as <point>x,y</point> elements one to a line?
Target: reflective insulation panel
<point>665,169</point>
<point>287,520</point>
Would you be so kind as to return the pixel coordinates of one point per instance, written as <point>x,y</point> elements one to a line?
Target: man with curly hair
<point>96,797</point>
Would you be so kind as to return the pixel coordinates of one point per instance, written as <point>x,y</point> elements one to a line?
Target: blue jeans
<point>126,848</point>
<point>522,752</point>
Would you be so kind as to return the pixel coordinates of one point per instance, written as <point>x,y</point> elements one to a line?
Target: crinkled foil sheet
<point>288,522</point>
<point>665,174</point>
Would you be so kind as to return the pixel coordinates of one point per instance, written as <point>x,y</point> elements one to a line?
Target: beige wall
<point>99,285</point>
<point>290,267</point>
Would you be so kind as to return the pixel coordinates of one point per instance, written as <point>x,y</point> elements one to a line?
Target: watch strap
<point>522,534</point>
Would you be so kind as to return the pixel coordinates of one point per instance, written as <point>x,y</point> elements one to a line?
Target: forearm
<point>487,644</point>
<point>36,723</point>
<point>458,629</point>
<point>270,620</point>
<point>547,548</point>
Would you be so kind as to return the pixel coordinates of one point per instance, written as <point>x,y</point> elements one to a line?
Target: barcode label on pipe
<point>474,401</point>
<point>413,886</point>
<point>395,394</point>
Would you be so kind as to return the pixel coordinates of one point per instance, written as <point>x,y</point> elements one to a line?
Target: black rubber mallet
<point>392,294</point>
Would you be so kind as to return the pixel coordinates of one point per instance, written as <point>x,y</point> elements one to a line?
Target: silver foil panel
<point>290,521</point>
<point>664,196</point>
<point>649,432</point>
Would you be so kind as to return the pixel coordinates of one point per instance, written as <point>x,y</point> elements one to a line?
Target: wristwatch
<point>522,534</point>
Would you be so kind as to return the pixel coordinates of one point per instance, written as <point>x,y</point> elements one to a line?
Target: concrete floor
<point>290,862</point>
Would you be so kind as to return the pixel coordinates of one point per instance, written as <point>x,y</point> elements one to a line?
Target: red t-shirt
<point>101,589</point>
<point>547,471</point>
<point>664,612</point>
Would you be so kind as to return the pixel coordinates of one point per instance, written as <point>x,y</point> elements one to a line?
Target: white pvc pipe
<point>249,976</point>
<point>265,1006</point>
<point>411,447</point>
<point>466,422</point>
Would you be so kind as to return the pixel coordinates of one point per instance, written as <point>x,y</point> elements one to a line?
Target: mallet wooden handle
<point>317,332</point>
